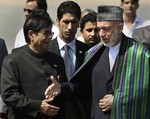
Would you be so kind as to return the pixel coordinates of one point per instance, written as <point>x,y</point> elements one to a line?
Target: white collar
<point>61,44</point>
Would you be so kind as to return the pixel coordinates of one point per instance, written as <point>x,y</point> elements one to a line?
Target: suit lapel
<point>53,47</point>
<point>79,55</point>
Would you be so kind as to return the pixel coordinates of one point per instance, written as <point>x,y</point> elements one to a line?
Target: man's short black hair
<point>68,7</point>
<point>37,20</point>
<point>90,17</point>
<point>42,4</point>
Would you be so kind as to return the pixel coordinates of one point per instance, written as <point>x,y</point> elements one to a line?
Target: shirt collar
<point>137,20</point>
<point>61,44</point>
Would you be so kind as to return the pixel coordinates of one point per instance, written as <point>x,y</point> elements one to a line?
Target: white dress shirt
<point>139,22</point>
<point>113,53</point>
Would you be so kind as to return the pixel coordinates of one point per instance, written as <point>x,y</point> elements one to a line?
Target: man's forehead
<point>31,5</point>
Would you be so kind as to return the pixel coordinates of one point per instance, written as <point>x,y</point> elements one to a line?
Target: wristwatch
<point>2,115</point>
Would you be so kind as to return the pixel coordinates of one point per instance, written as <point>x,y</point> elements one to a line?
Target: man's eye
<point>66,22</point>
<point>89,30</point>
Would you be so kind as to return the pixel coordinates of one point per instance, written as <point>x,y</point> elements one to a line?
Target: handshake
<point>51,92</point>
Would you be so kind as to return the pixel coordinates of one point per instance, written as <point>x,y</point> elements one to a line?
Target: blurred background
<point>12,15</point>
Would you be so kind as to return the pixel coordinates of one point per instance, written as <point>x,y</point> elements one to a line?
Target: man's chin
<point>107,44</point>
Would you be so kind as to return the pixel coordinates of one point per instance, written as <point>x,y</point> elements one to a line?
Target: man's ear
<point>31,34</point>
<point>81,32</point>
<point>120,27</point>
<point>57,22</point>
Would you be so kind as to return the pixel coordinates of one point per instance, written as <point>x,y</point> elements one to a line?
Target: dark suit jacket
<point>81,48</point>
<point>142,35</point>
<point>74,108</point>
<point>25,77</point>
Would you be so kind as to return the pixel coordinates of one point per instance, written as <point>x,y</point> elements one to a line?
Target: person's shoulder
<point>141,30</point>
<point>19,52</point>
<point>2,45</point>
<point>144,31</point>
<point>145,48</point>
<point>51,56</point>
<point>80,38</point>
<point>2,41</point>
<point>82,45</point>
<point>146,28</point>
<point>143,22</point>
<point>53,43</point>
<point>138,44</point>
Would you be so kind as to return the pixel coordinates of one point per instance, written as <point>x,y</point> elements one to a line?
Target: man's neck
<point>129,17</point>
<point>129,20</point>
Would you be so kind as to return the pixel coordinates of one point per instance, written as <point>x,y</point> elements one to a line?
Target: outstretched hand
<point>53,90</point>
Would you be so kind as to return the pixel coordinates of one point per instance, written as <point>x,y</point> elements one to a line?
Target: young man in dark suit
<point>68,17</point>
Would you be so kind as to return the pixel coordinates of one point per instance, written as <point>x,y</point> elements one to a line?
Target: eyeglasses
<point>47,34</point>
<point>28,10</point>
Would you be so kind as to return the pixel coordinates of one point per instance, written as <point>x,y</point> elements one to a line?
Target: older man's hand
<point>106,103</point>
<point>48,109</point>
